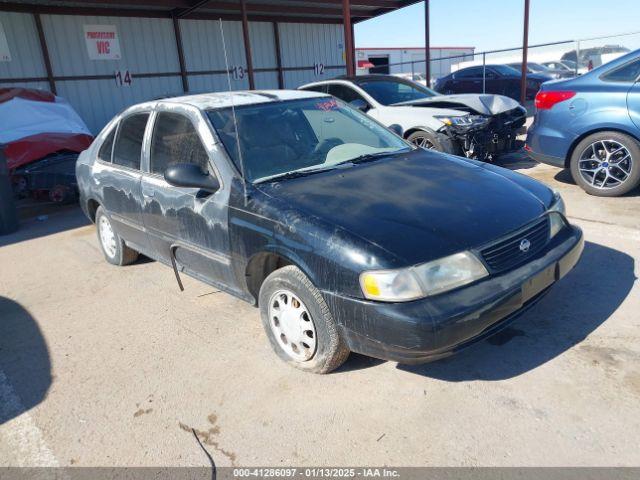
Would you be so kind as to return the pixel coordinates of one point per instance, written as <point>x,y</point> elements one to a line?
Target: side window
<point>128,147</point>
<point>628,73</point>
<point>175,140</point>
<point>344,93</point>
<point>106,148</point>
<point>469,72</point>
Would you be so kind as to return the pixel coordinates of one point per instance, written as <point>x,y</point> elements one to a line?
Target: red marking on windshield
<point>328,105</point>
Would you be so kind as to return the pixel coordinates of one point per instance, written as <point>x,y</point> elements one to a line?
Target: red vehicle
<point>41,136</point>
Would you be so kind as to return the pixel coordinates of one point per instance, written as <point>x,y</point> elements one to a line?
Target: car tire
<point>610,179</point>
<point>115,251</point>
<point>431,141</point>
<point>292,308</point>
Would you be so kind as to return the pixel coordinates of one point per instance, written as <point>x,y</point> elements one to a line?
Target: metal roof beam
<point>193,8</point>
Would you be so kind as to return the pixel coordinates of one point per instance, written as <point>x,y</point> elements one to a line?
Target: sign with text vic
<point>5,54</point>
<point>102,42</point>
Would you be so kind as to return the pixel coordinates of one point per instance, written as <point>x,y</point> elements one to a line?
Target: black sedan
<point>347,237</point>
<point>499,79</point>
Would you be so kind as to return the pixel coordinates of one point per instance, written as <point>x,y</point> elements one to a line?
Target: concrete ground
<point>107,366</point>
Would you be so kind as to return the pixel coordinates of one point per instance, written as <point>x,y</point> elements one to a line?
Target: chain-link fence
<point>493,71</point>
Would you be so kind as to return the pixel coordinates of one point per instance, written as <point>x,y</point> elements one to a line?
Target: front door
<point>187,224</point>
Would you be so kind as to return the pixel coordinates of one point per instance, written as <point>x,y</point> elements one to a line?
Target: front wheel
<point>606,164</point>
<point>298,322</point>
<point>432,141</point>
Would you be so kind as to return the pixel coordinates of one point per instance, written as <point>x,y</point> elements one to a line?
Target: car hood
<point>478,104</point>
<point>417,206</point>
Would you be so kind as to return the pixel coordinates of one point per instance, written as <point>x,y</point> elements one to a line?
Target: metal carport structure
<point>345,12</point>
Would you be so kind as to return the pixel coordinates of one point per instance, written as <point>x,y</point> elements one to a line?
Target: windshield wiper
<point>370,157</point>
<point>295,174</point>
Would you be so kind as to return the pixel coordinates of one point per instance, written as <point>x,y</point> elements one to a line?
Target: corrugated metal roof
<point>329,11</point>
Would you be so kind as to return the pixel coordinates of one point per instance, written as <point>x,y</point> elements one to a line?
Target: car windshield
<point>300,137</point>
<point>537,67</point>
<point>389,92</point>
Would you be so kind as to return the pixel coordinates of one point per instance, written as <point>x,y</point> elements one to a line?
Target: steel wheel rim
<point>423,142</point>
<point>292,326</point>
<point>107,237</point>
<point>605,164</point>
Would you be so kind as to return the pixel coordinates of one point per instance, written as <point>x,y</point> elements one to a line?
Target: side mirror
<point>397,129</point>
<point>360,105</point>
<point>188,175</point>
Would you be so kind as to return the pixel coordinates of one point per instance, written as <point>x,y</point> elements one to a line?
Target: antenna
<point>233,112</point>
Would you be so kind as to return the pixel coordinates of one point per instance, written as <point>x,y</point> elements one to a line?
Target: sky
<point>494,24</point>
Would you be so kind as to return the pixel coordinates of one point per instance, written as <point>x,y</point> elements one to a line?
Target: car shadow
<point>572,310</point>
<point>25,365</point>
<point>564,176</point>
<point>515,161</point>
<point>41,226</point>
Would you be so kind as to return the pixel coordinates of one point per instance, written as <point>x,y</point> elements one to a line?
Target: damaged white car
<point>473,125</point>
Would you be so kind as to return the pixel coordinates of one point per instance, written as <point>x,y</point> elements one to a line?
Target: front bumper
<point>436,327</point>
<point>498,136</point>
<point>547,159</point>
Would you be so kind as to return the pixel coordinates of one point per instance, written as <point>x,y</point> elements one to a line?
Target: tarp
<point>28,149</point>
<point>34,124</point>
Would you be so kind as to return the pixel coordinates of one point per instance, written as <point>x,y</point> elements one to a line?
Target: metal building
<point>104,55</point>
<point>409,59</point>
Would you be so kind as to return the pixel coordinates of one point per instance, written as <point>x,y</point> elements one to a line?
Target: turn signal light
<point>548,98</point>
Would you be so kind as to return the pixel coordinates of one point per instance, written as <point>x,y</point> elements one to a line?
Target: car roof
<point>357,79</point>
<point>207,101</point>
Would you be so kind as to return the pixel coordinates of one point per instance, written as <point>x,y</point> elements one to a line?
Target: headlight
<point>422,280</point>
<point>463,120</point>
<point>556,221</point>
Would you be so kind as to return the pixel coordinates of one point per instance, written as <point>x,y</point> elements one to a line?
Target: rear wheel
<point>113,247</point>
<point>606,164</point>
<point>298,322</point>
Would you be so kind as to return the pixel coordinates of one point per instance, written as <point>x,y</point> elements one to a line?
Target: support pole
<point>484,72</point>
<point>8,213</point>
<point>247,43</point>
<point>427,44</point>
<point>525,48</point>
<point>348,37</point>
<point>45,53</point>
<point>276,38</point>
<point>183,68</point>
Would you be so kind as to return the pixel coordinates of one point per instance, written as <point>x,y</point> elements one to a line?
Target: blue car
<point>591,125</point>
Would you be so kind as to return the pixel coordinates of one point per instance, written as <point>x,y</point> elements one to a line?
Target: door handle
<point>148,193</point>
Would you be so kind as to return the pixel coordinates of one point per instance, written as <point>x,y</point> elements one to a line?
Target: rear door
<point>186,223</point>
<point>117,174</point>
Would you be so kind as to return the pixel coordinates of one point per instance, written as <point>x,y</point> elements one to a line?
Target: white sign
<point>5,54</point>
<point>318,69</point>
<point>102,42</point>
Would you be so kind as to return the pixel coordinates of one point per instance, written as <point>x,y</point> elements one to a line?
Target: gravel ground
<point>106,366</point>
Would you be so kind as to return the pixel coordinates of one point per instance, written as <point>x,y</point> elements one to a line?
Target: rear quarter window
<point>627,73</point>
<point>106,148</point>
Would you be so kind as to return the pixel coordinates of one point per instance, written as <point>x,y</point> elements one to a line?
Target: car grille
<point>507,253</point>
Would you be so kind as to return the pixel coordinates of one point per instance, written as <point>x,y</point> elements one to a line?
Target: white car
<point>473,125</point>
